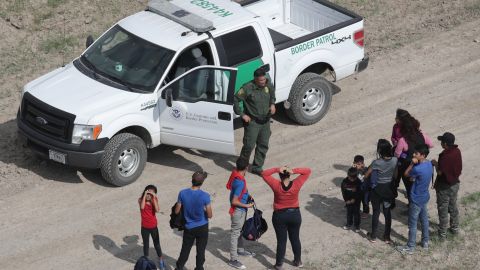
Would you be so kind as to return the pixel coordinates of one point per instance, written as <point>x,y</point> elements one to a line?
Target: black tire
<point>309,84</point>
<point>121,146</point>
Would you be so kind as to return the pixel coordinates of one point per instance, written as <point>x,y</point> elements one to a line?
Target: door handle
<point>224,116</point>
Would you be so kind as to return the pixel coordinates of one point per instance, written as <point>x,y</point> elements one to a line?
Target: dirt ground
<point>425,57</point>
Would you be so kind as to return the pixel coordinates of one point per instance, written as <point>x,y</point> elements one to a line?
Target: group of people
<point>255,103</point>
<point>196,208</point>
<point>405,158</point>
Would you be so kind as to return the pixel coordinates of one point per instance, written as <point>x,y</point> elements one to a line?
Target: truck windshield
<point>128,59</point>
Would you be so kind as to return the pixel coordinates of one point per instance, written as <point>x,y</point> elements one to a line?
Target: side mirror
<point>89,41</point>
<point>168,97</point>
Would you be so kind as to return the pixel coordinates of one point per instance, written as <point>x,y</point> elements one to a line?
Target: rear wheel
<point>309,99</point>
<point>124,159</point>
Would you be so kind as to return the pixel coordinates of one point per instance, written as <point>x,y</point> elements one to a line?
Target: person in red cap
<point>240,201</point>
<point>449,168</point>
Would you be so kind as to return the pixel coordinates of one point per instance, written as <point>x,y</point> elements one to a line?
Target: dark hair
<point>358,158</point>
<point>410,129</point>
<point>147,188</point>
<point>352,172</point>
<point>284,175</point>
<point>198,178</point>
<point>259,72</point>
<point>384,148</point>
<point>241,164</point>
<point>422,149</point>
<point>401,114</point>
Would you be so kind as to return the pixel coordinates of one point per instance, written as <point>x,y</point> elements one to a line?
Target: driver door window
<point>203,84</point>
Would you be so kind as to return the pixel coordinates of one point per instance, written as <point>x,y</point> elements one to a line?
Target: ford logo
<point>41,120</point>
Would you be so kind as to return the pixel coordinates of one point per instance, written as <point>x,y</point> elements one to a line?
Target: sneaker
<point>278,267</point>
<point>370,238</point>
<point>161,264</point>
<point>405,250</point>
<point>387,241</point>
<point>246,253</point>
<point>237,264</point>
<point>425,246</point>
<point>356,230</point>
<point>364,215</point>
<point>298,264</point>
<point>346,227</point>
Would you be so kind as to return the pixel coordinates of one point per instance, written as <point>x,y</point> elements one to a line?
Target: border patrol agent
<point>258,98</point>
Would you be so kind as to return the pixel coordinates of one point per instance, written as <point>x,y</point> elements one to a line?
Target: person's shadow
<point>220,242</point>
<point>130,251</point>
<point>332,210</point>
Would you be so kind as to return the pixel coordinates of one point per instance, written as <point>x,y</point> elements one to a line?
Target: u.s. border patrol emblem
<point>176,113</point>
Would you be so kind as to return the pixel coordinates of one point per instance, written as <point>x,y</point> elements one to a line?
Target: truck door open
<point>196,110</point>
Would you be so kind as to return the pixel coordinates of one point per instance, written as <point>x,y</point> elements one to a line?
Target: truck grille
<point>46,119</point>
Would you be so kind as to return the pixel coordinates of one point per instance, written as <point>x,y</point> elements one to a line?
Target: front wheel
<point>309,99</point>
<point>124,159</point>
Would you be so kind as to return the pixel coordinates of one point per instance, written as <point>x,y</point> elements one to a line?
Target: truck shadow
<point>171,156</point>
<point>19,155</point>
<point>130,250</point>
<point>16,153</point>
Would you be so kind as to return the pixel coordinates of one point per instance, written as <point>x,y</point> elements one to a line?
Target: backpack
<point>254,227</point>
<point>177,221</point>
<point>144,263</point>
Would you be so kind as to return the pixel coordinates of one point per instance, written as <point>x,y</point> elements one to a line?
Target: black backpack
<point>177,221</point>
<point>144,263</point>
<point>254,227</point>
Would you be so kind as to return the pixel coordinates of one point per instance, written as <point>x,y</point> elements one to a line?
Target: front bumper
<point>362,65</point>
<point>87,154</point>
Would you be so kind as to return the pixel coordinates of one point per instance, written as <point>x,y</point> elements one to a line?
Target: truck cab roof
<point>173,35</point>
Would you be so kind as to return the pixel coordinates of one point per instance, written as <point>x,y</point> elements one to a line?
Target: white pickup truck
<point>167,75</point>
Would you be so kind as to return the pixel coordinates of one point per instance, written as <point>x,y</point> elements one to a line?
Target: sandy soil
<point>55,217</point>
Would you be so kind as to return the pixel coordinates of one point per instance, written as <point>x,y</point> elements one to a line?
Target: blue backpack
<point>144,263</point>
<point>254,227</point>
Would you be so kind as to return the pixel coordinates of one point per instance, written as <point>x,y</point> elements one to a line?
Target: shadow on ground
<point>332,210</point>
<point>219,241</point>
<point>130,250</point>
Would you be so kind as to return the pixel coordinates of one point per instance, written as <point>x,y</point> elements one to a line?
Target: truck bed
<point>290,20</point>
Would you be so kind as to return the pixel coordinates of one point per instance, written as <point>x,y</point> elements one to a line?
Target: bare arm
<point>368,173</point>
<point>141,201</point>
<point>236,202</point>
<point>156,208</point>
<point>178,206</point>
<point>208,209</point>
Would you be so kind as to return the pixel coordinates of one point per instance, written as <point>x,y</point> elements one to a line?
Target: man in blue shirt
<point>239,202</point>
<point>196,210</point>
<point>420,171</point>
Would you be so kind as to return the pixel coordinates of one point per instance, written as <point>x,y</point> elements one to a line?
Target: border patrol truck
<point>168,74</point>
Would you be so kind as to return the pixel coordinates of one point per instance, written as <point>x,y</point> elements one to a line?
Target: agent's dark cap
<point>447,138</point>
<point>199,176</point>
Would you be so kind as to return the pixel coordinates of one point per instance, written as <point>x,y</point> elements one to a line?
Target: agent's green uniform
<point>256,104</point>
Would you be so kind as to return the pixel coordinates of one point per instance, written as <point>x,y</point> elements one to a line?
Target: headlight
<point>85,132</point>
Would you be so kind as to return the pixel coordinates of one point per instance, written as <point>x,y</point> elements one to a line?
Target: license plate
<point>57,156</point>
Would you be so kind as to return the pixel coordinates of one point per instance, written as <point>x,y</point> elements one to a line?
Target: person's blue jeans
<point>417,212</point>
